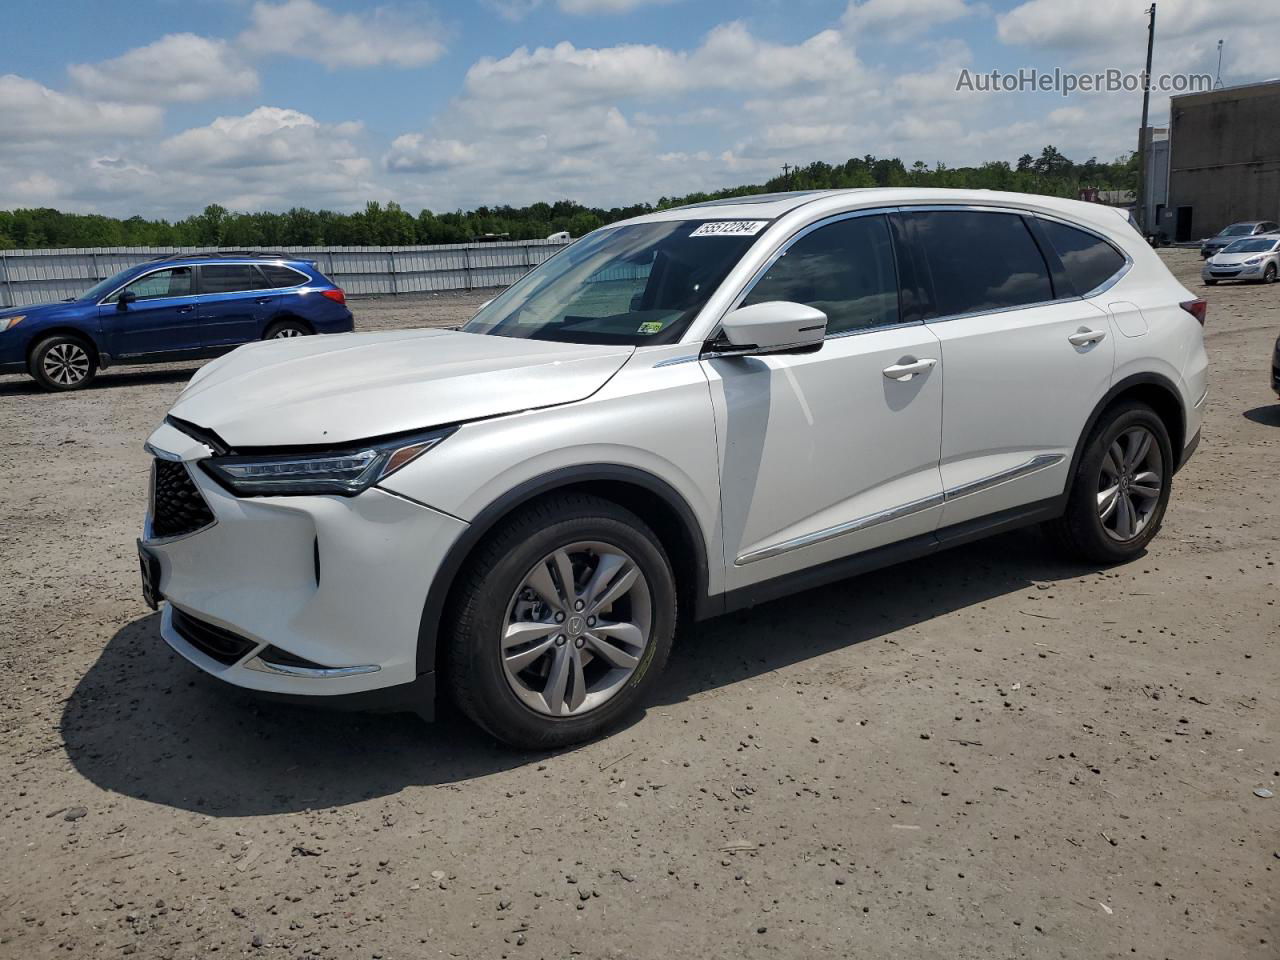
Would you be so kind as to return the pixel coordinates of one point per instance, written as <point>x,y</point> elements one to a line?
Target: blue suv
<point>184,307</point>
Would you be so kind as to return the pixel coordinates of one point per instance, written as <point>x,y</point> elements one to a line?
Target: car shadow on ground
<point>144,723</point>
<point>1268,416</point>
<point>129,377</point>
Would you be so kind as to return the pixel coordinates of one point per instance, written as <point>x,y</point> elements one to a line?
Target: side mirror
<point>778,326</point>
<point>126,297</point>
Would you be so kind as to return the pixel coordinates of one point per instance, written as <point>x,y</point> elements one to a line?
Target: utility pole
<point>1217,82</point>
<point>786,173</point>
<point>1142,133</point>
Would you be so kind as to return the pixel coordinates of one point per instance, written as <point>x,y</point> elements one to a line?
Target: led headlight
<point>345,471</point>
<point>8,323</point>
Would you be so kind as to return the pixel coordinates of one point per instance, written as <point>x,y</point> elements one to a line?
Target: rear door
<point>235,303</point>
<point>161,319</point>
<point>1025,359</point>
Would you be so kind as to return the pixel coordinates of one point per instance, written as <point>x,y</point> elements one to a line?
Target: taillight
<point>337,296</point>
<point>1197,308</point>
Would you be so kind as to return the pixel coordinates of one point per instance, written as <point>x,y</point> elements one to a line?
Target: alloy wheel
<point>66,364</point>
<point>285,332</point>
<point>1130,483</point>
<point>576,629</point>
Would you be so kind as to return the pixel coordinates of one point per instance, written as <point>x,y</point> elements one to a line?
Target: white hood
<point>344,387</point>
<point>1235,259</point>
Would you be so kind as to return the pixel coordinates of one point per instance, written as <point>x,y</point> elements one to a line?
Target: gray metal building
<point>1224,160</point>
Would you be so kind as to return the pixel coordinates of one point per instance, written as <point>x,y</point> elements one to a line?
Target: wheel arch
<point>1156,391</point>
<point>64,330</point>
<point>286,316</point>
<point>651,498</point>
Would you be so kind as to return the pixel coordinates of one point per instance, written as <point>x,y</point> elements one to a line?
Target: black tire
<point>1080,531</point>
<point>487,586</point>
<point>286,328</point>
<point>1211,283</point>
<point>1269,274</point>
<point>63,362</point>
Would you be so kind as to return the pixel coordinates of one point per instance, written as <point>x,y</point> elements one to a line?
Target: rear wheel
<point>562,623</point>
<point>1121,487</point>
<point>63,362</point>
<point>285,329</point>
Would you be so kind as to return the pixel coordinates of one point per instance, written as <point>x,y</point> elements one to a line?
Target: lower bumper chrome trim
<point>314,673</point>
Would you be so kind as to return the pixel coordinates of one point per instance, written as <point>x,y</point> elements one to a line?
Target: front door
<point>827,454</point>
<point>158,317</point>
<point>234,304</point>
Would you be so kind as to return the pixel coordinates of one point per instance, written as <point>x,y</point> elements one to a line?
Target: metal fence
<point>37,276</point>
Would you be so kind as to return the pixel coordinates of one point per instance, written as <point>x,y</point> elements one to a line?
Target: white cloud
<point>587,7</point>
<point>394,36</point>
<point>32,115</point>
<point>180,67</point>
<point>516,10</point>
<point>900,19</point>
<point>416,153</point>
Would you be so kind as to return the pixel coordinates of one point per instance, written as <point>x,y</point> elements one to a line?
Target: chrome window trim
<point>142,276</point>
<point>227,263</point>
<point>926,208</point>
<point>1110,281</point>
<point>1034,465</point>
<point>786,245</point>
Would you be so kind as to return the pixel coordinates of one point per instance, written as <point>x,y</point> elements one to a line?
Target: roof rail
<point>218,254</point>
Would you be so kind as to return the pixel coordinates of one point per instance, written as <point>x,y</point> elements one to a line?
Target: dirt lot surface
<point>990,753</point>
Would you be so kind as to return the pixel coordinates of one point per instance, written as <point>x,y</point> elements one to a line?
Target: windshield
<point>1237,230</point>
<point>637,284</point>
<point>1252,245</point>
<point>103,287</point>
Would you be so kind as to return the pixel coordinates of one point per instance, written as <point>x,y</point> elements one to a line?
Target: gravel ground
<point>989,753</point>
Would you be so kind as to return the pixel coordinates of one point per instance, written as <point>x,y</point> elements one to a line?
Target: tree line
<point>389,224</point>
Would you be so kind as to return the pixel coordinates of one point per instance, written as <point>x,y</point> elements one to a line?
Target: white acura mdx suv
<point>676,416</point>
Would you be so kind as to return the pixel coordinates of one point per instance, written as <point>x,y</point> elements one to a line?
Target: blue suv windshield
<point>103,287</point>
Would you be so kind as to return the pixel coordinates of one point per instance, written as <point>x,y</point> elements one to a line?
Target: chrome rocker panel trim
<point>1040,462</point>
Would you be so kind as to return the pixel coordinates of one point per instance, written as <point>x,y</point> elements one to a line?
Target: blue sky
<point>158,107</point>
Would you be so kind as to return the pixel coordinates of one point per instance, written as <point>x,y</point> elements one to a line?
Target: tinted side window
<point>162,283</point>
<point>278,276</point>
<point>229,278</point>
<point>1089,261</point>
<point>979,261</point>
<point>844,269</point>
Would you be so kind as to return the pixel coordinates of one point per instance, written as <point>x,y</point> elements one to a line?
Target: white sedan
<point>1253,258</point>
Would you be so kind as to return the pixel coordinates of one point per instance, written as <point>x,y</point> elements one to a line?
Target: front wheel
<point>561,624</point>
<point>63,363</point>
<point>1269,274</point>
<point>1120,489</point>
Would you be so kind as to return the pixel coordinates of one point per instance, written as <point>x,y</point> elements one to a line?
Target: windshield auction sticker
<point>730,228</point>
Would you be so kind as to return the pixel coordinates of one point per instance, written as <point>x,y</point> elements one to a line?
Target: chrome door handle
<point>186,309</point>
<point>1086,336</point>
<point>905,371</point>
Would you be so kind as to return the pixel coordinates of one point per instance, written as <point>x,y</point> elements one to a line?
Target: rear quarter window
<point>278,276</point>
<point>1088,260</point>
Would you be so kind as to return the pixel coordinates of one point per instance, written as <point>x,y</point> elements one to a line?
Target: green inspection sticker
<point>650,326</point>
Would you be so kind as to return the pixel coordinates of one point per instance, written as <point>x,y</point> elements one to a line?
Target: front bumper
<point>323,594</point>
<point>1231,273</point>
